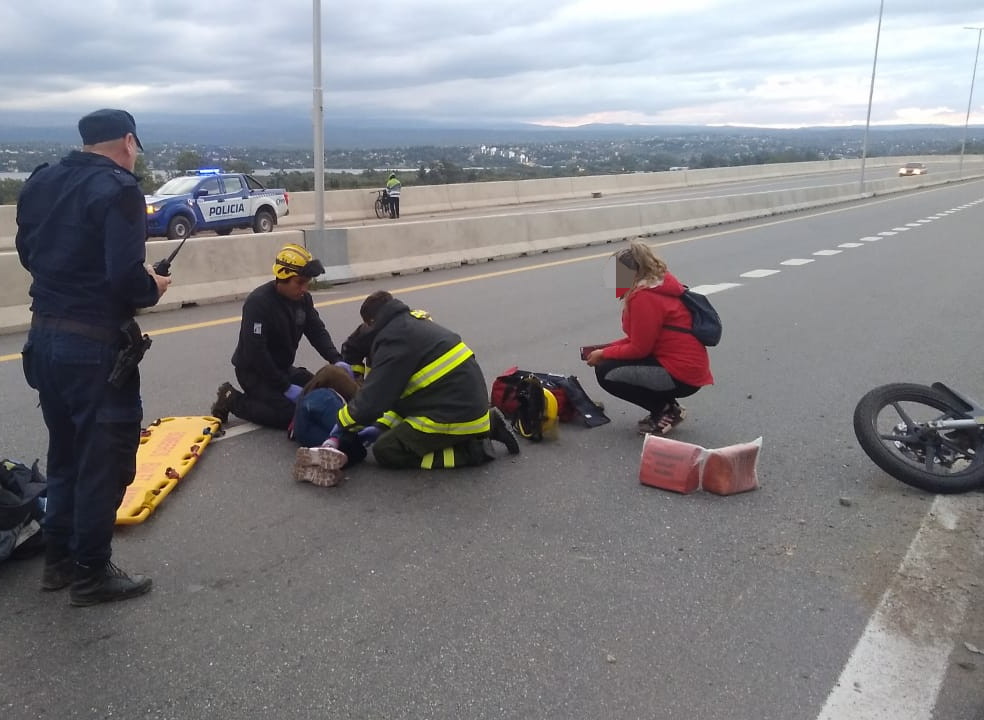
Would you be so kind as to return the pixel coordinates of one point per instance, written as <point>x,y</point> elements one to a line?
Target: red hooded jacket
<point>646,311</point>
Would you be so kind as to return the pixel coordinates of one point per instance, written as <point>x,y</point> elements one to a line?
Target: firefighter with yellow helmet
<point>276,315</point>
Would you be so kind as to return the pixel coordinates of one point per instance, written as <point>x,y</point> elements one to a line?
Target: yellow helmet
<point>296,260</point>
<point>550,417</point>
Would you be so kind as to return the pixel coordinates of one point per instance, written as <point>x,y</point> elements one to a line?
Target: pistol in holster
<point>135,345</point>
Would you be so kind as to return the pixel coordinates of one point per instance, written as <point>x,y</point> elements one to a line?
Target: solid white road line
<point>898,666</point>
<point>237,430</point>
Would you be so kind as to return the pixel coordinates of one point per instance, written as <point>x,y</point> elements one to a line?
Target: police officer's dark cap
<point>107,124</point>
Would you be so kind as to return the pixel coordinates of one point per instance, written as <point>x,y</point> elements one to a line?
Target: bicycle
<point>381,205</point>
<point>929,437</point>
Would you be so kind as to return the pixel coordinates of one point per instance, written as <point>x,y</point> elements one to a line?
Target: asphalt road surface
<point>553,584</point>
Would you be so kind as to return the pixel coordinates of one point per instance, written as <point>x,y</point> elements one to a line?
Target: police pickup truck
<point>213,200</point>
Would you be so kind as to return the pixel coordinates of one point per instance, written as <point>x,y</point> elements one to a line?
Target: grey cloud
<point>507,60</point>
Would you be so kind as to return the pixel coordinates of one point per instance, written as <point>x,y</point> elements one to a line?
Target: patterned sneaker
<point>673,416</point>
<point>321,466</point>
<point>224,398</point>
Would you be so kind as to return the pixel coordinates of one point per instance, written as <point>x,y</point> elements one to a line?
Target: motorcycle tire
<point>925,461</point>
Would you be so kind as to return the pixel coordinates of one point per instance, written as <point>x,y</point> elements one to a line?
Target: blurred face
<point>294,288</point>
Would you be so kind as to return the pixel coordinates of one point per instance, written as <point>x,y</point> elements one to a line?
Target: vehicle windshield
<point>179,185</point>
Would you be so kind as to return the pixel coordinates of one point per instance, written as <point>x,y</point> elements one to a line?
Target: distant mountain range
<point>284,131</point>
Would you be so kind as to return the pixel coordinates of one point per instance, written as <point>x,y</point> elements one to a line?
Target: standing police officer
<point>81,233</point>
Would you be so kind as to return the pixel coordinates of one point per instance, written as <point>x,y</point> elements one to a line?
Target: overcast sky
<point>784,63</point>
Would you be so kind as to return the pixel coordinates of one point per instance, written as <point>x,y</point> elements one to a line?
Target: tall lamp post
<point>318,113</point>
<point>970,100</point>
<point>871,94</point>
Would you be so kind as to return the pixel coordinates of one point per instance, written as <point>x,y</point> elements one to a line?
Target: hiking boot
<point>672,416</point>
<point>108,583</point>
<point>224,398</point>
<point>321,466</point>
<point>500,431</point>
<point>59,569</point>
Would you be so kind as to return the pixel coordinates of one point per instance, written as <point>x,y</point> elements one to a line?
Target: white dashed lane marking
<point>901,229</point>
<point>888,233</point>
<point>711,289</point>
<point>870,238</point>
<point>827,253</point>
<point>796,261</point>
<point>850,245</point>
<point>758,273</point>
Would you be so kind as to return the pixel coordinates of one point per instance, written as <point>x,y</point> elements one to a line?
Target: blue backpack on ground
<point>706,325</point>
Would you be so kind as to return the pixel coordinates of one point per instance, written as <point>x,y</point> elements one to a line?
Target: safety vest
<point>428,375</point>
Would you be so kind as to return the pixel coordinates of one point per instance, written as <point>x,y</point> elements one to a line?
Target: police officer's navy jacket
<point>423,374</point>
<point>81,233</point>
<point>271,330</point>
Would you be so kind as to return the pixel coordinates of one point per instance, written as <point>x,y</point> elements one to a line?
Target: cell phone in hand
<point>588,349</point>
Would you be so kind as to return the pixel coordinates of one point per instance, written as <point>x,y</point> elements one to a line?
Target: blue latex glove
<point>293,392</point>
<point>336,432</point>
<point>369,435</point>
<point>346,367</point>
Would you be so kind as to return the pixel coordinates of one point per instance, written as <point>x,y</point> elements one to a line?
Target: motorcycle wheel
<point>890,424</point>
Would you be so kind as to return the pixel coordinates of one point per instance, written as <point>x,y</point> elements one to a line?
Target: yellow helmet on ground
<point>550,417</point>
<point>296,260</point>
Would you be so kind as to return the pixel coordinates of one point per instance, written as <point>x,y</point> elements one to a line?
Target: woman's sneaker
<point>672,416</point>
<point>647,426</point>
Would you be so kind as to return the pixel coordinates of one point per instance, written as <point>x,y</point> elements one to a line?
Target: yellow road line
<point>528,268</point>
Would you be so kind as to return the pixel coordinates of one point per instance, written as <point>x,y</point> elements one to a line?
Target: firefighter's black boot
<point>501,431</point>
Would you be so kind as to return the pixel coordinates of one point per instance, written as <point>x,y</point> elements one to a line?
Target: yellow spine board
<point>168,449</point>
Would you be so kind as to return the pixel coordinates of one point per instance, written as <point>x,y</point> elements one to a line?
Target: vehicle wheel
<point>890,424</point>
<point>223,231</point>
<point>263,222</point>
<point>179,228</point>
<point>380,207</point>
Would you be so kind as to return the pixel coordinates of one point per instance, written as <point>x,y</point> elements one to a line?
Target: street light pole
<point>970,100</point>
<point>871,95</point>
<point>318,113</point>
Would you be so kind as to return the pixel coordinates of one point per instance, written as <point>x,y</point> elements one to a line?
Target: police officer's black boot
<point>105,583</point>
<point>59,567</point>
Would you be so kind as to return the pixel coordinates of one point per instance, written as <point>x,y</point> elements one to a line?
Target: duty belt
<point>94,332</point>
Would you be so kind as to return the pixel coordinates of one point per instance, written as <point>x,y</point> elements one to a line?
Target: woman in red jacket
<point>652,365</point>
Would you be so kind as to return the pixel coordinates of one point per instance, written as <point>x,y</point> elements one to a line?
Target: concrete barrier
<point>213,269</point>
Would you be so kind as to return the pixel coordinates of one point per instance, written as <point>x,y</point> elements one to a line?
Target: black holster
<point>135,345</point>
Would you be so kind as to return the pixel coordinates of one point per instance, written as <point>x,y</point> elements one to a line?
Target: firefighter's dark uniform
<point>426,385</point>
<point>81,233</point>
<point>271,330</point>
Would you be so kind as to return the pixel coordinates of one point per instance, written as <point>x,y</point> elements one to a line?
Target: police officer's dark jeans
<point>405,447</point>
<point>652,401</point>
<point>93,434</point>
<point>266,405</point>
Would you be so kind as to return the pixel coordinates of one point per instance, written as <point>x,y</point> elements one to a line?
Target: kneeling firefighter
<point>425,403</point>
